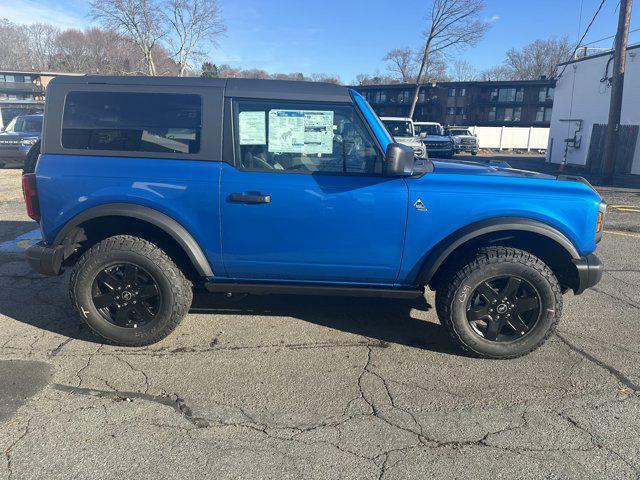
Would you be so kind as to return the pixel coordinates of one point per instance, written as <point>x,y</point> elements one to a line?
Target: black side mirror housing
<point>399,160</point>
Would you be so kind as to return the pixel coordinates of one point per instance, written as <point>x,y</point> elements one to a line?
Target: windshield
<point>380,131</point>
<point>9,113</point>
<point>399,128</point>
<point>456,133</point>
<point>25,125</point>
<point>429,129</point>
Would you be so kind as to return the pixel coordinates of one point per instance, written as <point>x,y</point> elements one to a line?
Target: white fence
<point>508,138</point>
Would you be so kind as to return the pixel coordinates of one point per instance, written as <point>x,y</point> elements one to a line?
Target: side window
<point>132,122</point>
<point>303,138</point>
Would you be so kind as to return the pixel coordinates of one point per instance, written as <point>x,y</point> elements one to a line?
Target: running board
<point>301,289</point>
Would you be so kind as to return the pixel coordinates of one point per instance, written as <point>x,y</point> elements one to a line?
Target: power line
<point>583,36</point>
<point>607,38</point>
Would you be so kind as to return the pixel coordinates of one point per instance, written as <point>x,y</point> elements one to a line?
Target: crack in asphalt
<point>58,349</point>
<point>627,302</point>
<point>8,452</point>
<point>138,370</point>
<point>597,443</point>
<point>89,359</point>
<point>621,377</point>
<point>174,401</point>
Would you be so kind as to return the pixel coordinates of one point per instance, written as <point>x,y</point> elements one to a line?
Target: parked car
<point>402,130</point>
<point>10,109</point>
<point>463,140</point>
<point>436,141</point>
<point>291,187</point>
<point>18,137</point>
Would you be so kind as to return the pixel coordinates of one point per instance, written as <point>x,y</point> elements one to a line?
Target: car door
<point>303,198</point>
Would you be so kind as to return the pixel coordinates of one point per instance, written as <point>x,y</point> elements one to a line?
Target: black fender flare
<point>147,214</point>
<point>440,252</point>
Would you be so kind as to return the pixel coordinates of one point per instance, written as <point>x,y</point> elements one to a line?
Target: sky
<point>347,37</point>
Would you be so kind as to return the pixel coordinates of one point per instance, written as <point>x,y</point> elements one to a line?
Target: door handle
<point>242,198</point>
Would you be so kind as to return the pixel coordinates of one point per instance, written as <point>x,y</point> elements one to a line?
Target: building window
<point>421,97</point>
<point>403,97</point>
<point>461,111</point>
<point>132,122</point>
<point>380,97</point>
<point>505,114</point>
<point>546,94</point>
<point>507,95</point>
<point>462,92</point>
<point>452,92</point>
<point>543,114</point>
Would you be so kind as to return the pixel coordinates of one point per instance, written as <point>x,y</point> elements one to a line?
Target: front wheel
<point>501,303</point>
<point>129,291</point>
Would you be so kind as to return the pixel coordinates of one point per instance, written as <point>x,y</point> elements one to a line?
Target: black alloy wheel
<point>126,295</point>
<point>504,308</point>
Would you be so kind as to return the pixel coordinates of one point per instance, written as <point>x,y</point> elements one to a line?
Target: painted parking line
<point>21,243</point>
<point>625,208</point>
<point>623,234</point>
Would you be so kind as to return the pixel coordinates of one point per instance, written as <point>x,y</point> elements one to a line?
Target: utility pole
<point>617,86</point>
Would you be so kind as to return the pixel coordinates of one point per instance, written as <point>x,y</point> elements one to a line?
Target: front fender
<point>439,254</point>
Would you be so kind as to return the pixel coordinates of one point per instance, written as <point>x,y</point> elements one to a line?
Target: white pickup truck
<point>403,130</point>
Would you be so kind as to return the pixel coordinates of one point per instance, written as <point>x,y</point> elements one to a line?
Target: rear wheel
<point>32,158</point>
<point>129,291</point>
<point>502,303</point>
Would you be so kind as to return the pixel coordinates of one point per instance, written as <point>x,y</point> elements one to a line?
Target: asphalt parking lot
<point>294,387</point>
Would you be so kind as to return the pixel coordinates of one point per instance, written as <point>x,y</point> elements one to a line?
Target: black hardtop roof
<point>233,87</point>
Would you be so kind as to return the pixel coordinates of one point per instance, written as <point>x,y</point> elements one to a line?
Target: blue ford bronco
<point>148,187</point>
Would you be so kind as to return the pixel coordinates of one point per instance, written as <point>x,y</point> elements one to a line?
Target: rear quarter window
<point>132,122</point>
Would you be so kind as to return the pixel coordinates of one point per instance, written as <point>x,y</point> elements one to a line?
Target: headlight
<point>27,142</point>
<point>602,213</point>
<point>456,140</point>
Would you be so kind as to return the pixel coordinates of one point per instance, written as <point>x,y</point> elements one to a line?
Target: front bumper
<point>590,270</point>
<point>438,148</point>
<point>45,259</point>
<point>465,148</point>
<point>13,153</point>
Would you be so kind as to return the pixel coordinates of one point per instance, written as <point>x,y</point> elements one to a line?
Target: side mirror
<point>423,134</point>
<point>399,160</point>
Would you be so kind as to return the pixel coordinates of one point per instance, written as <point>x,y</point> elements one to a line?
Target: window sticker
<point>301,131</point>
<point>252,128</point>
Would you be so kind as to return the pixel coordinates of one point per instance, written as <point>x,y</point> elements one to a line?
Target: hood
<point>408,140</point>
<point>436,138</point>
<point>465,137</point>
<point>476,168</point>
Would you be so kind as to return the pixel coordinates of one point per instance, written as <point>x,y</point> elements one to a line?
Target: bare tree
<point>402,64</point>
<point>539,58</point>
<point>192,22</point>
<point>41,38</point>
<point>376,79</point>
<point>496,74</point>
<point>14,55</point>
<point>71,52</point>
<point>326,78</point>
<point>139,20</point>
<point>453,24</point>
<point>462,71</point>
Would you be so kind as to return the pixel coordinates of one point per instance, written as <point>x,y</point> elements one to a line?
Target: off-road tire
<point>462,278</point>
<point>32,158</point>
<point>175,290</point>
